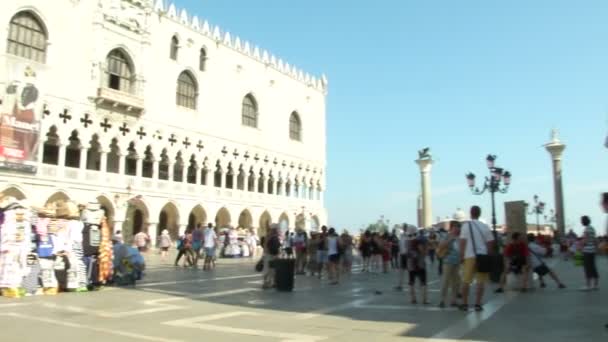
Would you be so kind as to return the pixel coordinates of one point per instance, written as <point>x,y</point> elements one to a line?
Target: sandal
<point>478,308</point>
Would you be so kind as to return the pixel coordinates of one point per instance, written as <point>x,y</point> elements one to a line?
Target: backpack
<point>274,245</point>
<point>44,249</point>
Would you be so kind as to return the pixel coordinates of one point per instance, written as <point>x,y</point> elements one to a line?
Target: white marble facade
<point>239,140</point>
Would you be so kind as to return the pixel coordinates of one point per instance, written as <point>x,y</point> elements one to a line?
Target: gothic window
<point>230,178</point>
<point>94,154</point>
<point>113,160</point>
<point>250,112</point>
<point>27,37</point>
<point>271,190</point>
<point>204,172</point>
<point>202,62</point>
<point>119,72</point>
<point>50,153</point>
<point>288,188</point>
<point>147,170</point>
<point>174,48</point>
<point>240,180</point>
<point>192,170</point>
<point>131,160</point>
<point>72,151</point>
<point>217,179</point>
<point>251,182</point>
<point>178,168</point>
<point>163,166</point>
<point>261,181</point>
<point>186,90</point>
<point>295,127</point>
<point>280,191</point>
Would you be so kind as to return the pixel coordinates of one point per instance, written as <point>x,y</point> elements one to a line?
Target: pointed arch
<point>198,215</point>
<point>50,153</point>
<point>174,48</point>
<point>202,59</point>
<point>245,219</point>
<point>27,37</point>
<point>284,221</point>
<point>57,196</point>
<point>265,221</point>
<point>249,112</point>
<point>120,71</point>
<point>169,219</point>
<point>222,218</point>
<point>14,191</point>
<point>295,127</point>
<point>72,151</point>
<point>187,90</point>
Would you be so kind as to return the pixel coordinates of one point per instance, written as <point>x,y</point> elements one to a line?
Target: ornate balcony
<point>129,103</point>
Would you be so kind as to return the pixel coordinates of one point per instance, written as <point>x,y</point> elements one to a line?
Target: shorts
<point>142,249</point>
<point>403,258</point>
<point>334,258</point>
<point>589,265</point>
<point>164,249</point>
<point>469,271</point>
<point>542,270</point>
<point>420,274</point>
<point>322,257</point>
<point>210,252</point>
<point>289,251</point>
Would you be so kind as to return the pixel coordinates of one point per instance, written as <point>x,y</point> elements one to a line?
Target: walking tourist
<point>376,249</point>
<point>333,256</point>
<point>476,240</point>
<point>197,243</point>
<point>311,251</point>
<point>180,248</point>
<point>299,244</point>
<point>209,245</point>
<point>394,239</point>
<point>538,265</point>
<point>141,241</point>
<point>346,242</point>
<point>322,252</point>
<point>386,251</point>
<point>272,249</point>
<point>451,265</point>
<point>516,256</point>
<point>165,243</point>
<point>605,207</point>
<point>365,248</point>
<point>589,249</point>
<point>432,246</point>
<point>403,244</point>
<point>288,244</point>
<point>416,260</point>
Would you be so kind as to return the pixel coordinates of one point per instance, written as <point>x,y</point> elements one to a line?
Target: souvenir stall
<point>52,249</point>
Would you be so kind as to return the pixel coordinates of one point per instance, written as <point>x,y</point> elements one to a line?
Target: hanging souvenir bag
<point>44,247</point>
<point>578,258</point>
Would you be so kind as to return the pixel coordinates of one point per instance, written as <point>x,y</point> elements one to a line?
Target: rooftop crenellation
<point>242,46</point>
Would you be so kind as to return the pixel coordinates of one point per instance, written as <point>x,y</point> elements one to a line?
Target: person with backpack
<point>538,265</point>
<point>448,251</point>
<point>272,249</point>
<point>416,263</point>
<point>181,251</point>
<point>516,261</point>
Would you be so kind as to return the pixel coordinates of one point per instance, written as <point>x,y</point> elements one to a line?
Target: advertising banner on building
<point>20,123</point>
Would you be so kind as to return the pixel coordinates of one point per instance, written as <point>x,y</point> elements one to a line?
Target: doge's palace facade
<point>164,120</point>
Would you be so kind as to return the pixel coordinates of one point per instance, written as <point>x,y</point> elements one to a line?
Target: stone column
<point>83,158</point>
<point>103,161</point>
<point>222,180</point>
<point>234,181</point>
<point>153,233</point>
<point>556,150</point>
<point>139,165</point>
<point>256,179</point>
<point>184,173</point>
<point>61,161</point>
<point>121,163</point>
<point>265,185</point>
<point>170,172</point>
<point>155,169</point>
<point>198,176</point>
<point>425,165</point>
<point>208,178</point>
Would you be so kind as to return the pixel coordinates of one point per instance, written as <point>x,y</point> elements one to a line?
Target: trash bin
<point>284,270</point>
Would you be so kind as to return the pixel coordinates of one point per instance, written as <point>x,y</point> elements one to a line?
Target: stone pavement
<point>174,304</point>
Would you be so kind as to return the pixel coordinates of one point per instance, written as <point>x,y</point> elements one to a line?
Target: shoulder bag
<point>483,262</point>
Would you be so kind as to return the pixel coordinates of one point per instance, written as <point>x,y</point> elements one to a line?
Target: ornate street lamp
<point>498,181</point>
<point>538,209</point>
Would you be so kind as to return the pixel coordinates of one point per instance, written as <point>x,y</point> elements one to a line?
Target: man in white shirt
<point>476,239</point>
<point>538,265</point>
<point>403,242</point>
<point>209,243</point>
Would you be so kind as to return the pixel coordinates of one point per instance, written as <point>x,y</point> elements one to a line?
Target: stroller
<point>129,265</point>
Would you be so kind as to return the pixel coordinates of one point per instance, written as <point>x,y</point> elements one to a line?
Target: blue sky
<point>466,78</point>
